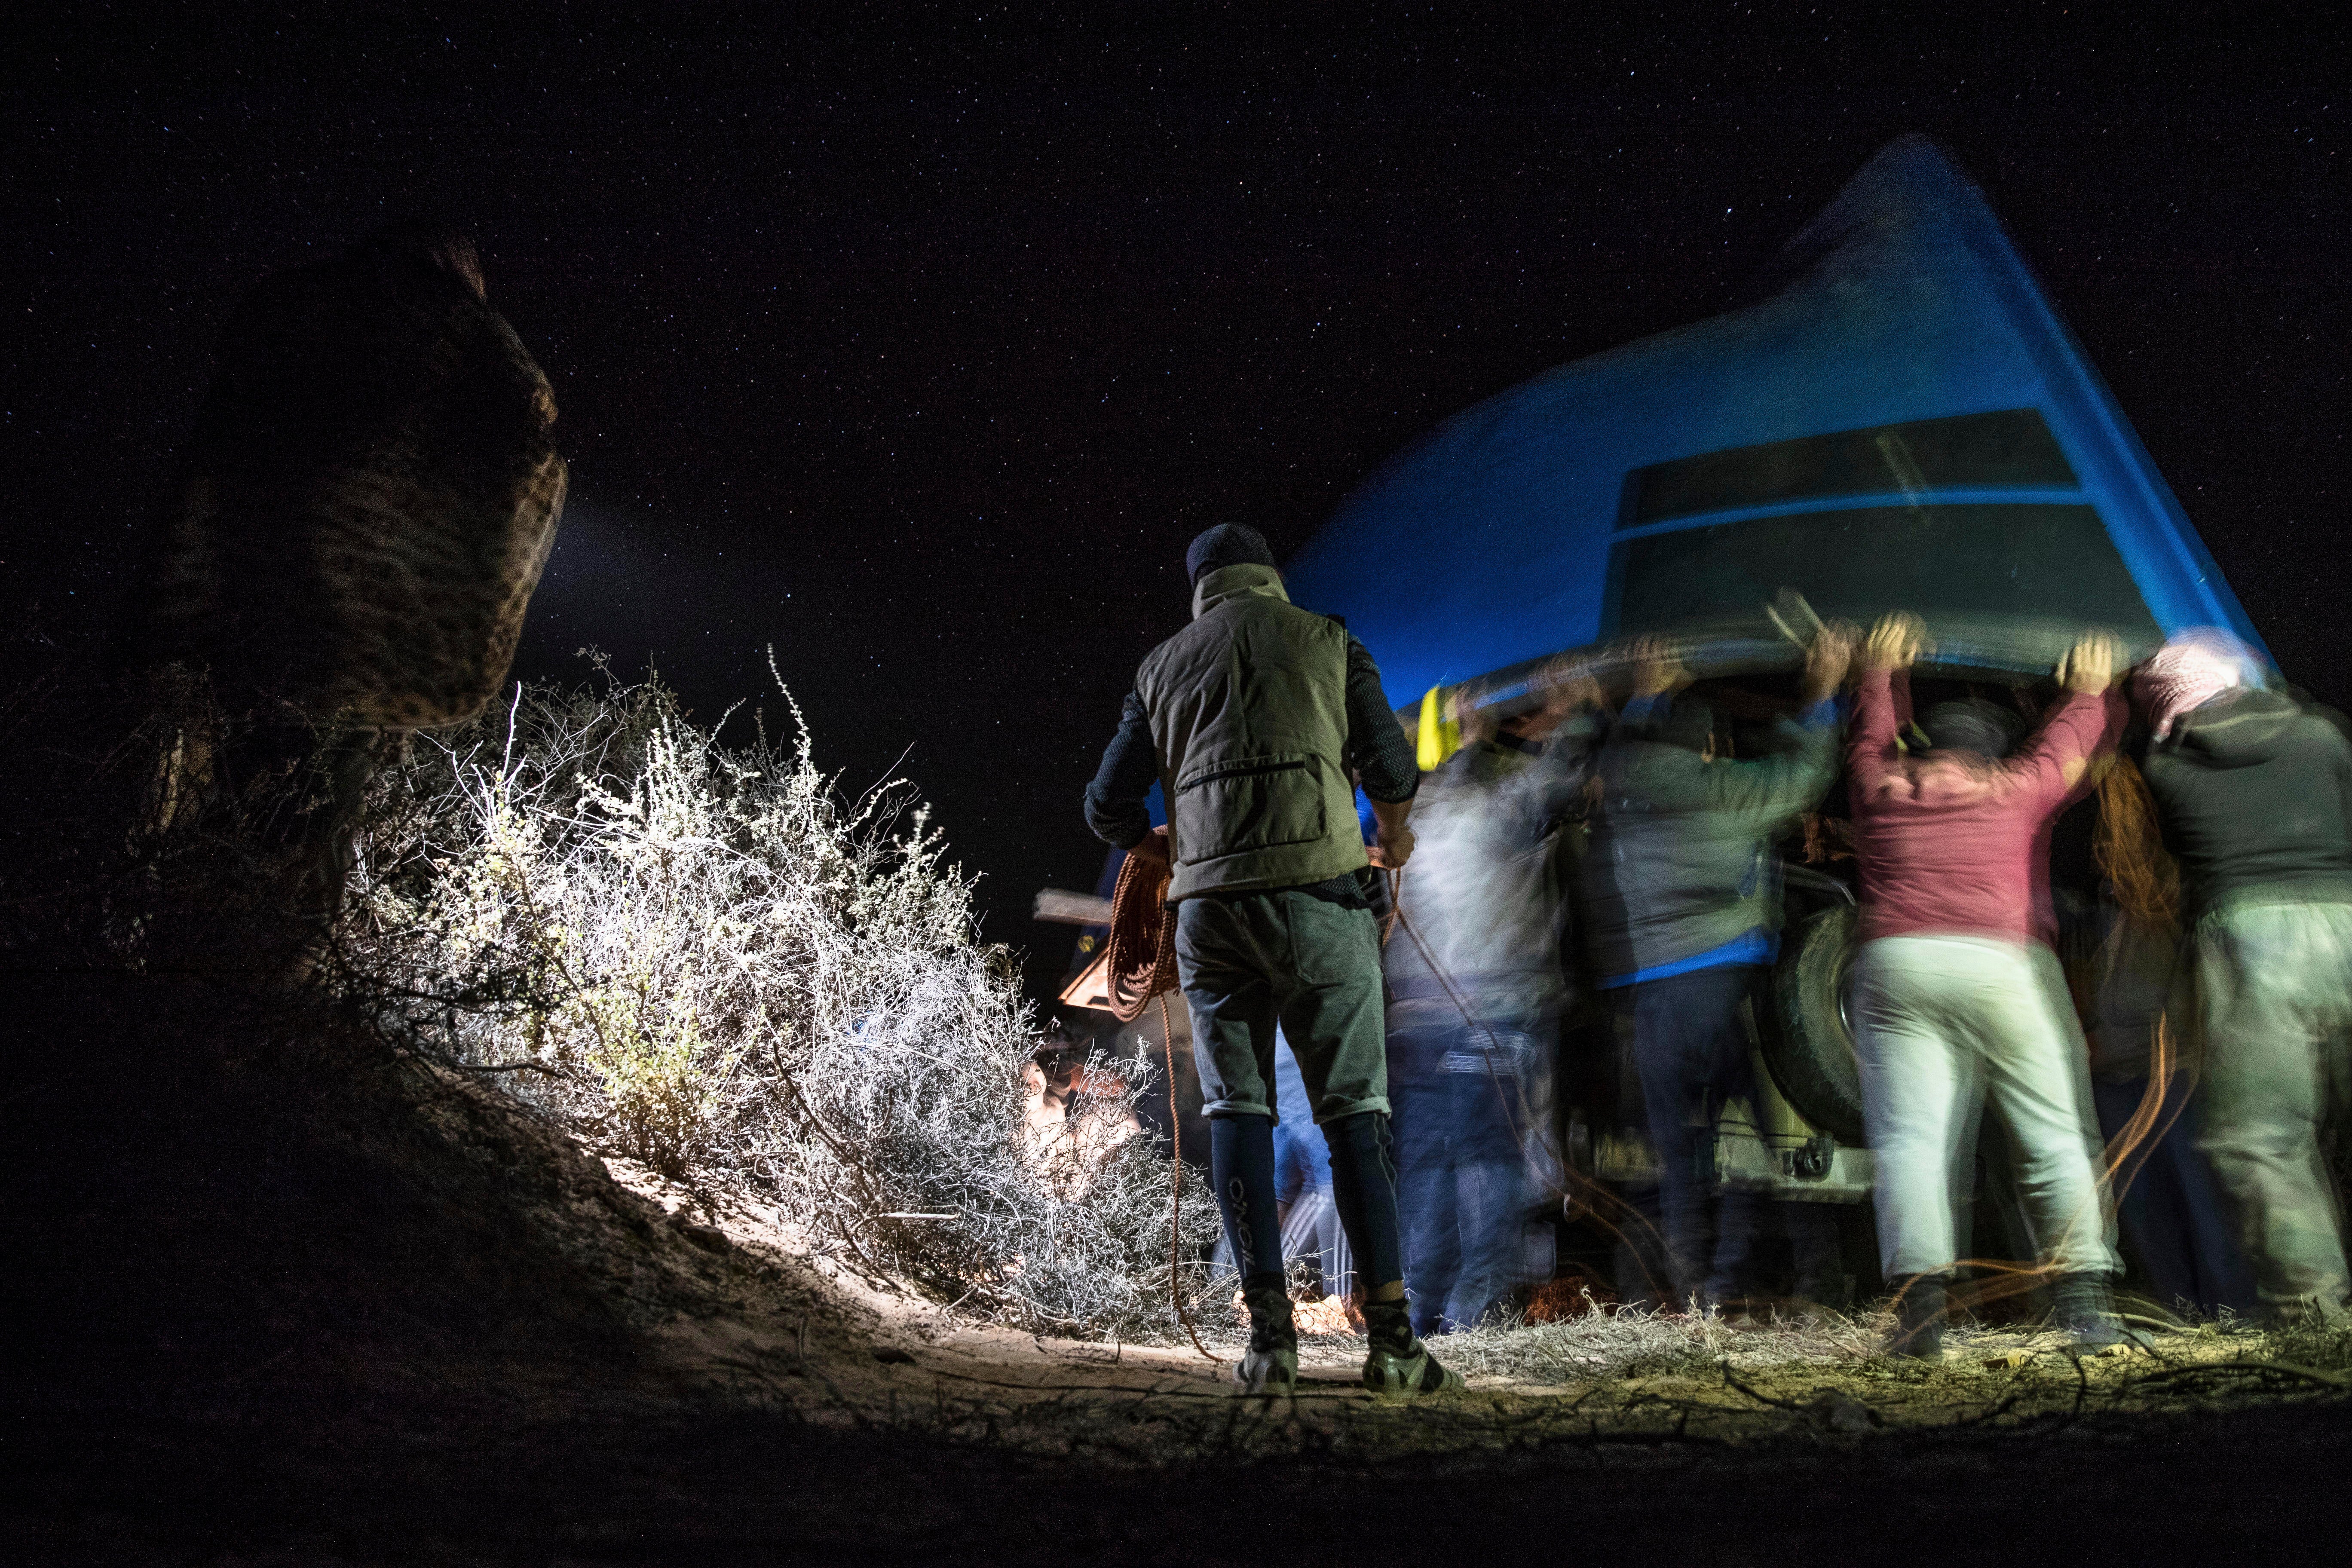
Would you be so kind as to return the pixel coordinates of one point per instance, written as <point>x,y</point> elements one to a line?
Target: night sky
<point>918,348</point>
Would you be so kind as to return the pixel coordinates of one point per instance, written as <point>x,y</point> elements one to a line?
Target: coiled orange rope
<point>1141,962</point>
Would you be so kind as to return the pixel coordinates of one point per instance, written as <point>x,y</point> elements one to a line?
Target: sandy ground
<point>887,1358</point>
<point>295,1302</point>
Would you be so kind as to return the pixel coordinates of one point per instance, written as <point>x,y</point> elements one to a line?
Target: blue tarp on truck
<point>1902,422</point>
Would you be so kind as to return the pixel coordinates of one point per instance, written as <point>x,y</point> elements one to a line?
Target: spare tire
<point>1811,1053</point>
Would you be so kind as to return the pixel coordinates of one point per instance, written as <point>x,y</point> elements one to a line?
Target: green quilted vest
<point>1249,713</point>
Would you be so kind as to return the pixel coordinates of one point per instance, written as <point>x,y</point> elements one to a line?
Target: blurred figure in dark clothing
<point>1682,913</point>
<point>2168,1205</point>
<point>2252,789</point>
<point>1475,990</point>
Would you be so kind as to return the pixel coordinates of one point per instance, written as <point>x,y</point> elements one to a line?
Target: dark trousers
<point>1690,1056</point>
<point>2172,1215</point>
<point>1462,1185</point>
<point>1248,962</point>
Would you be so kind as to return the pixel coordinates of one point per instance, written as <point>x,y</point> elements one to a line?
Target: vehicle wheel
<point>1812,1053</point>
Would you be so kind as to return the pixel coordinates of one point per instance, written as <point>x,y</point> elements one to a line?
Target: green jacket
<point>1248,710</point>
<point>1681,859</point>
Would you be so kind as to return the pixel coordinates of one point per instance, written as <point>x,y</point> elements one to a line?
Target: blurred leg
<point>1732,1075</point>
<point>1917,1086</point>
<point>1425,1199</point>
<point>1690,1048</point>
<point>1490,1192</point>
<point>1740,1219</point>
<point>1815,1248</point>
<point>1668,1041</point>
<point>2271,990</point>
<point>2172,1215</point>
<point>2037,1079</point>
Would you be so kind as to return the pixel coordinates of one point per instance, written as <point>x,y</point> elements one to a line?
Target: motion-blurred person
<point>1681,902</point>
<point>1958,993</point>
<point>2252,790</point>
<point>2168,1205</point>
<point>1476,991</point>
<point>1252,718</point>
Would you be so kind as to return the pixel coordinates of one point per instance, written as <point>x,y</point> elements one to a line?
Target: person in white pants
<point>1947,1023</point>
<point>1958,997</point>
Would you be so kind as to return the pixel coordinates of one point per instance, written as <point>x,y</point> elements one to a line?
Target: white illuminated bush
<point>703,957</point>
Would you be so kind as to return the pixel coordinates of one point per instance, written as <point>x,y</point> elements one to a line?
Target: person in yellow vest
<point>1257,721</point>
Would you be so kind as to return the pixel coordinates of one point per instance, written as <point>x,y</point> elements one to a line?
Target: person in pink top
<point>1957,995</point>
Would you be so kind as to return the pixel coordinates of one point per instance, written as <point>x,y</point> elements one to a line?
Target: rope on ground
<point>1140,964</point>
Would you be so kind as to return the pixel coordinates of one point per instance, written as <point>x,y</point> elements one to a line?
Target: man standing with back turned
<point>1251,720</point>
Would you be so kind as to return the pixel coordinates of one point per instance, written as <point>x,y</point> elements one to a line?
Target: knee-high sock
<point>1363,1189</point>
<point>1241,1162</point>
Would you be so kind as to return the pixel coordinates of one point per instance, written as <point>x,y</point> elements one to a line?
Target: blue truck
<point>1899,419</point>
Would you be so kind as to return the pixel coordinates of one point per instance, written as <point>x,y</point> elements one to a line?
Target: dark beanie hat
<point>1227,544</point>
<point>1974,725</point>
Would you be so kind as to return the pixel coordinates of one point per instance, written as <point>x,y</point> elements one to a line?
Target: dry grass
<point>1629,1342</point>
<point>707,958</point>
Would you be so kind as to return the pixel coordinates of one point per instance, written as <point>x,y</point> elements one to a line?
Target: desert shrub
<point>704,956</point>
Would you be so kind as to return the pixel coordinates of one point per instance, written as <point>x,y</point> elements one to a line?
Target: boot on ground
<point>1270,1365</point>
<point>1919,1315</point>
<point>1399,1363</point>
<point>2084,1310</point>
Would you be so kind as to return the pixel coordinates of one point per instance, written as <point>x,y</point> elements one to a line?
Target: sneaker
<point>1274,1370</point>
<point>1414,1374</point>
<point>1399,1363</point>
<point>1919,1310</point>
<point>2084,1310</point>
<point>1270,1365</point>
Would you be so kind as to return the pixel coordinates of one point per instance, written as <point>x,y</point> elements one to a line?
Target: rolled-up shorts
<point>1249,962</point>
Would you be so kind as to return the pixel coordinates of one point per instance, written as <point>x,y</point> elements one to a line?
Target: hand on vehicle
<point>1895,643</point>
<point>1560,688</point>
<point>2090,665</point>
<point>1658,668</point>
<point>1827,659</point>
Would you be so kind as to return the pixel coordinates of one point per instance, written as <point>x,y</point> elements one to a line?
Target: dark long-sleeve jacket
<point>2253,791</point>
<point>1681,860</point>
<point>1377,749</point>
